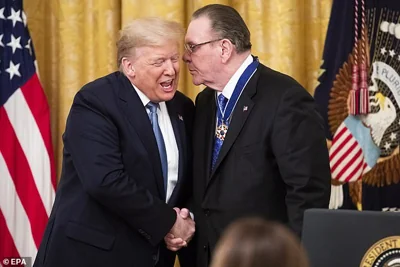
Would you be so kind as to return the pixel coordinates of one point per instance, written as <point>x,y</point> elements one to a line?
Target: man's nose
<point>169,68</point>
<point>186,57</point>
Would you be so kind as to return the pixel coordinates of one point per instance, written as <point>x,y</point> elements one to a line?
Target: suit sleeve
<point>299,145</point>
<point>93,142</point>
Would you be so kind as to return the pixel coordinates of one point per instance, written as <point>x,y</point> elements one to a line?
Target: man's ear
<point>226,49</point>
<point>128,68</point>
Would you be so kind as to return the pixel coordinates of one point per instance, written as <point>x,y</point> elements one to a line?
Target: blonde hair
<point>150,31</point>
<point>254,242</point>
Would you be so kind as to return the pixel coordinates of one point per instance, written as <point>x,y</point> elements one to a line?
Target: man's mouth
<point>167,85</point>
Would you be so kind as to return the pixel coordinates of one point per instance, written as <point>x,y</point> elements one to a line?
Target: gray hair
<point>228,24</point>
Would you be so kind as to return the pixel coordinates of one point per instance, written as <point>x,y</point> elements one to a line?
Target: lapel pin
<point>245,108</point>
<point>180,117</point>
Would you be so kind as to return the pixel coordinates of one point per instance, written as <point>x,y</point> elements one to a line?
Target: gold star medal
<point>221,131</point>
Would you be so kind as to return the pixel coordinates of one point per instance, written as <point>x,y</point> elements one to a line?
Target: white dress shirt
<point>230,86</point>
<point>169,139</point>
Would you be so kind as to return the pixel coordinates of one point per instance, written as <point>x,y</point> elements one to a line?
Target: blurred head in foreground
<point>254,242</point>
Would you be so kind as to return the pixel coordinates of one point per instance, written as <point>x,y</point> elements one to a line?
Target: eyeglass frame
<point>191,47</point>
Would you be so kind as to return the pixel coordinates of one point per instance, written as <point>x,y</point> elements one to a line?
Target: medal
<point>224,116</point>
<point>221,131</point>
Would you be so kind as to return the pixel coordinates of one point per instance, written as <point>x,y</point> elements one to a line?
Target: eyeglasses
<point>192,47</point>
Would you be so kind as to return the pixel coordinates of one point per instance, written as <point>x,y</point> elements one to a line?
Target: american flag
<point>27,174</point>
<point>346,156</point>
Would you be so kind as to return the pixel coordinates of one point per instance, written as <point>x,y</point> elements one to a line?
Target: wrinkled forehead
<point>199,30</point>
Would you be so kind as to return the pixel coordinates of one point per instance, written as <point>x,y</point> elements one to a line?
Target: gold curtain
<point>74,41</point>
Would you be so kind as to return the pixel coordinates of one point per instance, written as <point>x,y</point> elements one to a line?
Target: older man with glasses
<point>259,143</point>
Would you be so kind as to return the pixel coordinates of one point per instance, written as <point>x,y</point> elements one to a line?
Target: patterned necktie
<point>221,129</point>
<point>160,140</point>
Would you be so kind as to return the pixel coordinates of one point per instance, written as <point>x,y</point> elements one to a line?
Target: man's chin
<point>196,82</point>
<point>166,96</point>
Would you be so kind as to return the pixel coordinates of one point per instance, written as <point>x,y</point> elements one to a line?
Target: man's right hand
<point>182,231</point>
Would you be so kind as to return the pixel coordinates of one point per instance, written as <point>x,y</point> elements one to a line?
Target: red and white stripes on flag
<point>346,156</point>
<point>27,170</point>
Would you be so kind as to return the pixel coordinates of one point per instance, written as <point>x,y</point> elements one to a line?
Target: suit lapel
<point>179,130</point>
<point>239,117</point>
<point>208,122</point>
<point>137,116</point>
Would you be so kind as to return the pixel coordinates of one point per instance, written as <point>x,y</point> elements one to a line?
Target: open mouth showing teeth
<point>167,84</point>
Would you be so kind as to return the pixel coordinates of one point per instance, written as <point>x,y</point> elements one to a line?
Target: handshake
<point>182,231</point>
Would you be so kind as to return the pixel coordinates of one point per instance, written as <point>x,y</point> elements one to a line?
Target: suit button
<point>154,257</point>
<point>205,247</point>
<point>207,212</point>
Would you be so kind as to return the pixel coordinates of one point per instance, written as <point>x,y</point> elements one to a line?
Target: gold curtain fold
<point>74,41</point>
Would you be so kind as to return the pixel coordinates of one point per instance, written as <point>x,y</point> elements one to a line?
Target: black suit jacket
<point>110,205</point>
<point>273,163</point>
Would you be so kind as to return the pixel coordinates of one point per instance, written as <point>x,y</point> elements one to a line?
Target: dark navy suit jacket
<point>110,205</point>
<point>273,163</point>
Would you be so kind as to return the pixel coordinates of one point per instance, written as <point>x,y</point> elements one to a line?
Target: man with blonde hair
<point>126,161</point>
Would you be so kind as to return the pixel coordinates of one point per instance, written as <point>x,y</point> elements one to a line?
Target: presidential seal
<point>384,253</point>
<point>366,145</point>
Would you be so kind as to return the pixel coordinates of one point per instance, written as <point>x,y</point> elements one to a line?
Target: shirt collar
<point>230,86</point>
<point>145,100</point>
